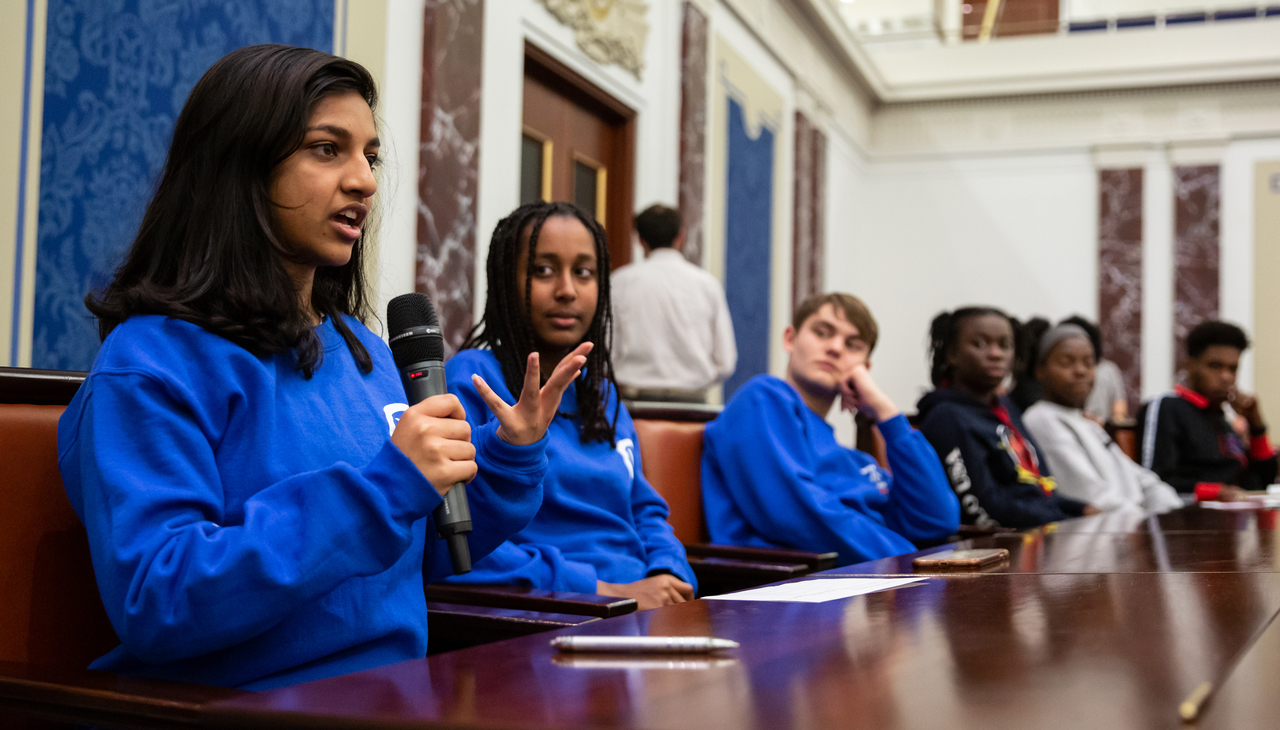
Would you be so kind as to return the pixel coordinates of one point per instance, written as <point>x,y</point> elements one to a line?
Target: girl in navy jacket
<point>993,465</point>
<point>602,528</point>
<point>257,495</point>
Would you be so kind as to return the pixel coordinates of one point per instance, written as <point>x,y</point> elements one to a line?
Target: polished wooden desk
<point>984,651</point>
<point>1093,623</point>
<point>42,698</point>
<point>1082,552</point>
<point>1249,696</point>
<point>1188,519</point>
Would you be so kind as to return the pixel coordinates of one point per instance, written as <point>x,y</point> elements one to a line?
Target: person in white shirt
<point>1087,464</point>
<point>672,335</point>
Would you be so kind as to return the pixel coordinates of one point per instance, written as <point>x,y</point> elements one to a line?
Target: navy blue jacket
<point>974,445</point>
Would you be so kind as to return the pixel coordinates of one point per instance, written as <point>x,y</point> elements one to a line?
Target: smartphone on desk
<point>958,559</point>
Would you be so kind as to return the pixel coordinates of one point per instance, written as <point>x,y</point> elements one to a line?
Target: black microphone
<point>418,348</point>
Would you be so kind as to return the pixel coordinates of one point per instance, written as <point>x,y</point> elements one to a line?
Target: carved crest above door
<point>608,31</point>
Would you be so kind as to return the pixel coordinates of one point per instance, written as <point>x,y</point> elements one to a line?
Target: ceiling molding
<point>1049,64</point>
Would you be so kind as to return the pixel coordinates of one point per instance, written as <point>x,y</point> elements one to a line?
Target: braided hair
<point>944,332</point>
<point>1027,347</point>
<point>507,326</point>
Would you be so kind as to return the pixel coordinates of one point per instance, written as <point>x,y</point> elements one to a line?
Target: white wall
<point>1012,182</point>
<point>848,205</point>
<point>1018,232</point>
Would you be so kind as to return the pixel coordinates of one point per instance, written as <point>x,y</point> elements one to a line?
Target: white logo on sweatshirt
<point>393,411</point>
<point>627,450</point>
<point>958,475</point>
<point>872,472</point>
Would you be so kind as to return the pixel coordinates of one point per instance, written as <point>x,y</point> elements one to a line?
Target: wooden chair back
<point>671,456</point>
<point>869,440</point>
<point>51,613</point>
<point>1126,437</point>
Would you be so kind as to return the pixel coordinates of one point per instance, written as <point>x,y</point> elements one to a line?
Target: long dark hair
<point>507,328</point>
<point>944,333</point>
<point>206,251</point>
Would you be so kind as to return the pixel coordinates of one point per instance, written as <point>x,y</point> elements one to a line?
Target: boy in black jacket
<point>1185,436</point>
<point>991,462</point>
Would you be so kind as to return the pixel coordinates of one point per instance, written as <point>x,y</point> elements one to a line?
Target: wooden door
<point>577,146</point>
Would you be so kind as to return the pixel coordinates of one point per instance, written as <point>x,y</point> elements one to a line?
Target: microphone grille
<point>404,313</point>
<point>410,310</point>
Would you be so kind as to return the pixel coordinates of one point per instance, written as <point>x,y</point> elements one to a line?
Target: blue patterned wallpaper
<point>748,245</point>
<point>116,75</point>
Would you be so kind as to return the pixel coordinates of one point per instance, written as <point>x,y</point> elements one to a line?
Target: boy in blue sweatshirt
<point>774,476</point>
<point>602,528</point>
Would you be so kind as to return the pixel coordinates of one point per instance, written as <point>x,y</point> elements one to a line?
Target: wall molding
<point>1184,118</point>
<point>607,31</point>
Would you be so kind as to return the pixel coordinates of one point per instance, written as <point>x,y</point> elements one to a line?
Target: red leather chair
<point>671,455</point>
<point>52,623</point>
<point>50,610</point>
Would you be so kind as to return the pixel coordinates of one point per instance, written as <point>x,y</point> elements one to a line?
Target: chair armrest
<point>518,598</point>
<point>815,561</point>
<point>454,626</point>
<point>725,575</point>
<point>85,696</point>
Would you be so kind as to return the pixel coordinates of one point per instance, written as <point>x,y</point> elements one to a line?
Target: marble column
<point>807,218</point>
<point>1196,256</point>
<point>448,167</point>
<point>693,128</point>
<point>1120,274</point>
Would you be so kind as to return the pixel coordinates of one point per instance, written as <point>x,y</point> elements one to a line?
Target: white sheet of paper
<point>817,590</point>
<point>1251,503</point>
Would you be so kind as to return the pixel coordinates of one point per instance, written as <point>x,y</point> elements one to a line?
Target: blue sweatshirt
<point>600,519</point>
<point>773,475</point>
<point>252,528</point>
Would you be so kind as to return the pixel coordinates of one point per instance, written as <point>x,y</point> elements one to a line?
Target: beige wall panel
<point>12,47</point>
<point>1266,334</point>
<point>26,320</point>
<point>365,40</point>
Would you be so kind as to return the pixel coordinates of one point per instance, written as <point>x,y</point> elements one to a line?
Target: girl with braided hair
<point>602,528</point>
<point>993,466</point>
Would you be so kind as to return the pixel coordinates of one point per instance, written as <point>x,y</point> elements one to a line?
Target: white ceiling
<point>908,61</point>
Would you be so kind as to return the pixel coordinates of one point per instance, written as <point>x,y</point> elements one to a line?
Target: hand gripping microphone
<point>418,348</point>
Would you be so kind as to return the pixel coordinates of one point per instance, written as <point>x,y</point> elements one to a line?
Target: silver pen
<point>643,644</point>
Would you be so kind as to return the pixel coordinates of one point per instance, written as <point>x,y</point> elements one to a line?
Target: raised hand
<point>436,437</point>
<point>652,592</point>
<point>858,392</point>
<point>526,421</point>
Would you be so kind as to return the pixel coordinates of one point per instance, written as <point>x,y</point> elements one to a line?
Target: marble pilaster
<point>1196,251</point>
<point>807,217</point>
<point>1120,274</point>
<point>448,166</point>
<point>693,128</point>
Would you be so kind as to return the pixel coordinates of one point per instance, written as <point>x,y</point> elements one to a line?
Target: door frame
<point>620,192</point>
